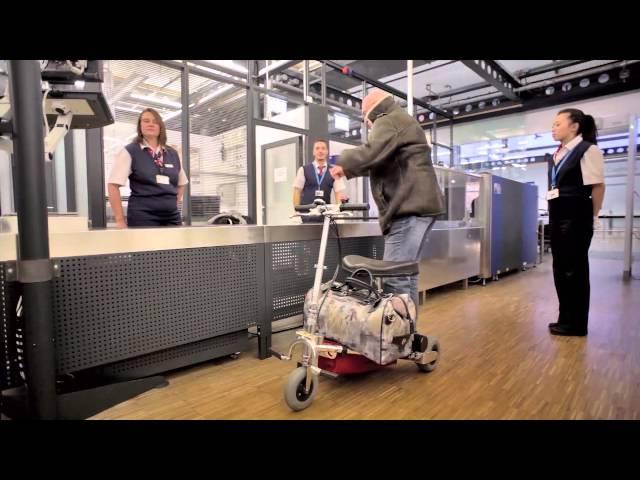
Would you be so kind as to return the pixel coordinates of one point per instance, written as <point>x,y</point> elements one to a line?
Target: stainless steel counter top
<point>101,242</point>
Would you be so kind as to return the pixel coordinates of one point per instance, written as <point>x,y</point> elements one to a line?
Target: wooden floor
<point>498,362</point>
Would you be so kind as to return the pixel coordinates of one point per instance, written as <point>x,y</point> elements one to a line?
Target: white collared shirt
<point>121,168</point>
<point>591,164</point>
<point>338,185</point>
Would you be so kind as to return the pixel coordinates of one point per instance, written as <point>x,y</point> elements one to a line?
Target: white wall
<point>6,184</point>
<point>59,164</point>
<point>80,162</point>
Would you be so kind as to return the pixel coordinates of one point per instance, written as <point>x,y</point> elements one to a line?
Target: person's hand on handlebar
<point>336,172</point>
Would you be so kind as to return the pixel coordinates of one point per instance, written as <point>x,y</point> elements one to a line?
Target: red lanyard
<point>157,157</point>
<point>555,155</point>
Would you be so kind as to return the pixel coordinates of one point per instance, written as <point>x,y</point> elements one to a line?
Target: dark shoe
<point>420,343</point>
<point>551,325</point>
<point>566,331</point>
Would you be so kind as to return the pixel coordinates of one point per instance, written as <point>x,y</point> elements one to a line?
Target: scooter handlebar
<point>354,207</point>
<point>304,208</point>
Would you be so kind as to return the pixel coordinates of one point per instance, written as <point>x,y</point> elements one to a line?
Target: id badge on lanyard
<point>158,159</point>
<point>319,191</point>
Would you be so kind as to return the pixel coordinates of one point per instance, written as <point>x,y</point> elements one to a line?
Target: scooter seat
<point>380,268</point>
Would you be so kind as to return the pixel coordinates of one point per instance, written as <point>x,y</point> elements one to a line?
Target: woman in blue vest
<point>156,177</point>
<point>314,181</point>
<point>576,192</point>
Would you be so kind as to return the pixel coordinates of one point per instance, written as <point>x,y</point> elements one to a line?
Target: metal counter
<point>451,254</point>
<point>74,243</point>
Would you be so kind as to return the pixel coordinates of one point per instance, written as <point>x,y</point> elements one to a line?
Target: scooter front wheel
<point>433,345</point>
<point>294,390</point>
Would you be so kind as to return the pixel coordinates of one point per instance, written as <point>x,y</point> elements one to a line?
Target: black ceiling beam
<point>460,91</point>
<point>497,76</point>
<point>560,64</point>
<point>525,74</point>
<point>504,72</point>
<point>537,98</point>
<point>345,70</point>
<point>330,90</point>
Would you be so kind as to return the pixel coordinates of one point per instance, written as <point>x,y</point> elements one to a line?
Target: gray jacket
<point>397,160</point>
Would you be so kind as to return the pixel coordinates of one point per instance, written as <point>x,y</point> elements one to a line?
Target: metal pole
<point>365,128</point>
<point>410,87</point>
<point>434,140</point>
<point>267,85</point>
<point>70,173</point>
<point>323,86</point>
<point>363,137</point>
<point>305,82</point>
<point>95,177</point>
<point>186,146</point>
<point>631,176</point>
<point>34,265</point>
<point>253,109</point>
<point>451,159</point>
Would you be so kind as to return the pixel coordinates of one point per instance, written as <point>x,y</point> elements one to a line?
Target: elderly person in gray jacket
<point>397,160</point>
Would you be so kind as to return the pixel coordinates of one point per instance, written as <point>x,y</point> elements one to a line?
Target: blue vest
<point>311,184</point>
<point>146,193</point>
<point>569,177</point>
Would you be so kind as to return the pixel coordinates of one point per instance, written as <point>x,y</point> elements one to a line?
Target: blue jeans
<point>401,244</point>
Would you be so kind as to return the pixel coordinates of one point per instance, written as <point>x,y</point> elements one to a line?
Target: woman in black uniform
<point>576,191</point>
<point>155,175</point>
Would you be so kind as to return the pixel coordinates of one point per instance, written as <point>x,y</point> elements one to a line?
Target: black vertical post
<point>70,172</point>
<point>252,108</point>
<point>363,138</point>
<point>34,266</point>
<point>95,179</point>
<point>318,126</point>
<point>451,158</point>
<point>50,186</point>
<point>186,145</point>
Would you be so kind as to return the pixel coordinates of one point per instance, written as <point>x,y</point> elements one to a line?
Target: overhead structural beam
<point>278,67</point>
<point>316,92</point>
<point>497,76</point>
<point>557,65</point>
<point>458,91</point>
<point>383,86</point>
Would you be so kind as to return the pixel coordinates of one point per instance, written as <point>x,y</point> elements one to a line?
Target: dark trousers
<point>571,224</point>
<point>141,218</point>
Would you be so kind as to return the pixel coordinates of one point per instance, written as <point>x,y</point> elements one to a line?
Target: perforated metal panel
<point>291,270</point>
<point>11,333</point>
<point>178,357</point>
<point>109,308</point>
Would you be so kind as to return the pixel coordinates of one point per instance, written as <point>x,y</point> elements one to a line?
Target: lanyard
<point>320,179</point>
<point>556,168</point>
<point>157,159</point>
